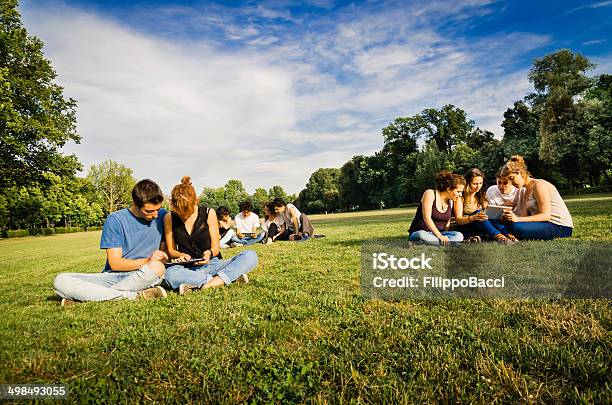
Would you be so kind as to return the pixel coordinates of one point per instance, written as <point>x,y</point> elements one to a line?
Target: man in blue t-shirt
<point>133,239</point>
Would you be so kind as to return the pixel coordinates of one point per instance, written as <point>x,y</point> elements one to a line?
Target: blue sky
<point>267,92</point>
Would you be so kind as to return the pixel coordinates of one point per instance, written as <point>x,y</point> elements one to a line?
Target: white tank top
<point>287,215</point>
<point>559,214</point>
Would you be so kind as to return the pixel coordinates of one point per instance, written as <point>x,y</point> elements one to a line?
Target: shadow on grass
<point>54,297</point>
<point>358,242</point>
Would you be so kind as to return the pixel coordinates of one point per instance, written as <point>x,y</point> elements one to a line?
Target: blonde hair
<point>184,197</point>
<point>516,164</point>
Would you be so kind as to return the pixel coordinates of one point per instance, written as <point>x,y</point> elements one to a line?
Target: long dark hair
<point>481,195</point>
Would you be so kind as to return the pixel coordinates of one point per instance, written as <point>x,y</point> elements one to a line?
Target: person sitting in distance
<point>247,223</point>
<point>226,233</point>
<point>298,223</point>
<point>274,225</point>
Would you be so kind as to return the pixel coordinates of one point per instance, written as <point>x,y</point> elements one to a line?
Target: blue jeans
<point>248,239</point>
<point>228,270</point>
<point>105,286</point>
<point>225,240</point>
<point>428,237</point>
<point>539,230</point>
<point>490,228</point>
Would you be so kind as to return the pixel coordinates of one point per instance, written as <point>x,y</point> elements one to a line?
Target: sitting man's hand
<point>240,235</point>
<point>253,235</point>
<point>159,256</point>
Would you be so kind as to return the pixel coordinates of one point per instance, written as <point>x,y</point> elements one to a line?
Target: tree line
<point>563,128</point>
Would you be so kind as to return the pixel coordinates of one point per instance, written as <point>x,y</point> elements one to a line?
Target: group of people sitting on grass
<point>534,208</point>
<point>147,246</point>
<point>281,221</point>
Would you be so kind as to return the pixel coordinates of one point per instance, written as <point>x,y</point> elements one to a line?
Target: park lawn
<point>301,331</point>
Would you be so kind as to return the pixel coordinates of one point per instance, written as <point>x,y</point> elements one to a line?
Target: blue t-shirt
<point>137,237</point>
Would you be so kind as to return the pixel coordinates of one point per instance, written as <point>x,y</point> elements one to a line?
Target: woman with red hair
<point>192,232</point>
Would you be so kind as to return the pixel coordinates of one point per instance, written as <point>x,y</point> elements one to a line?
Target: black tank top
<point>439,218</point>
<point>199,241</point>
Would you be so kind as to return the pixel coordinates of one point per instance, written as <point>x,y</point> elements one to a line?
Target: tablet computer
<point>495,211</point>
<point>184,263</point>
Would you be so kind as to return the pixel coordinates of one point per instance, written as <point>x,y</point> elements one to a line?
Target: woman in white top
<point>542,214</point>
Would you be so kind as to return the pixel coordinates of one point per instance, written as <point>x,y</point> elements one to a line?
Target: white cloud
<point>165,109</point>
<point>277,107</point>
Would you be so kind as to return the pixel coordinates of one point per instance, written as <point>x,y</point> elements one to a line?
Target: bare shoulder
<point>429,194</point>
<point>542,185</point>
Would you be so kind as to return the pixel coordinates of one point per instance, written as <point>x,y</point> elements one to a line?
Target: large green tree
<point>259,199</point>
<point>351,185</point>
<point>113,183</point>
<point>559,78</point>
<point>521,134</point>
<point>229,196</point>
<point>278,192</point>
<point>35,118</point>
<point>447,127</point>
<point>321,192</point>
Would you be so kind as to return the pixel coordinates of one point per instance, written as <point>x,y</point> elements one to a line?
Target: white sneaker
<point>185,289</point>
<point>67,302</point>
<point>243,279</point>
<point>269,241</point>
<point>151,293</point>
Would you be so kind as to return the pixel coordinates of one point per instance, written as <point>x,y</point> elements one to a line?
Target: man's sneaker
<point>67,302</point>
<point>150,293</point>
<point>185,289</point>
<point>243,279</point>
<point>236,244</point>
<point>269,241</point>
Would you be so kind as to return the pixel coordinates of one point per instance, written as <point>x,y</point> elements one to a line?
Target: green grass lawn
<point>301,331</point>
